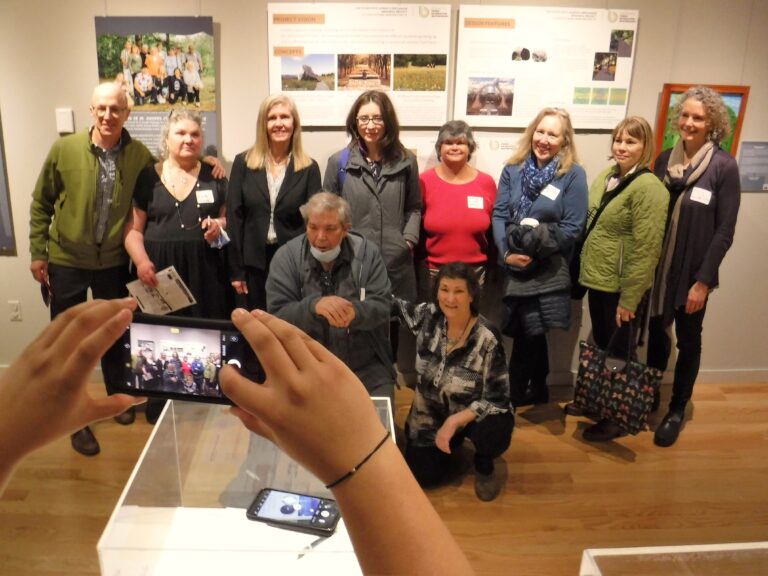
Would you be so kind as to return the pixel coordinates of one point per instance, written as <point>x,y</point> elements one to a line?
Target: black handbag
<point>619,389</point>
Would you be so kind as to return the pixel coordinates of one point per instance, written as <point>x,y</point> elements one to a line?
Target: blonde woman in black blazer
<point>268,184</point>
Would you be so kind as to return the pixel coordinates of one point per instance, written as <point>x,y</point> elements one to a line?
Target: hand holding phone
<point>298,512</point>
<point>181,358</point>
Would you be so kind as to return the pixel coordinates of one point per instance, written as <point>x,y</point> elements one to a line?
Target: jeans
<point>688,328</point>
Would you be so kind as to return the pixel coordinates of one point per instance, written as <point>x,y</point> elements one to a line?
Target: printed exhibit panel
<point>325,55</point>
<point>161,63</point>
<point>514,60</point>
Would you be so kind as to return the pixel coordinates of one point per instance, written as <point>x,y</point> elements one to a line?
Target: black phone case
<point>253,511</point>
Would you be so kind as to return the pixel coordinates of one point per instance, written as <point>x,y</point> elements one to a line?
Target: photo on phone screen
<point>292,511</point>
<point>181,358</point>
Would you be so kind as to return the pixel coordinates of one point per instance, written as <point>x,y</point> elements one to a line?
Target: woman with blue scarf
<point>539,213</point>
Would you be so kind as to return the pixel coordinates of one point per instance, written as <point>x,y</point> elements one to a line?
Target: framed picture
<point>735,98</point>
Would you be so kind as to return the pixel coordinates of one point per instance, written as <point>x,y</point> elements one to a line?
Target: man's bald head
<point>109,108</point>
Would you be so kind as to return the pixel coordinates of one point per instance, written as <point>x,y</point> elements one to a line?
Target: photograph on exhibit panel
<point>401,49</point>
<point>161,63</point>
<point>420,72</point>
<point>555,56</point>
<point>308,73</point>
<point>364,71</point>
<point>489,96</point>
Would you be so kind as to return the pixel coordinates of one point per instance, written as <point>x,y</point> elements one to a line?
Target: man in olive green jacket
<point>79,208</point>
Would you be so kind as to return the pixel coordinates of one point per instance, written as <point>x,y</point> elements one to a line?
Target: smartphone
<point>299,512</point>
<point>181,358</point>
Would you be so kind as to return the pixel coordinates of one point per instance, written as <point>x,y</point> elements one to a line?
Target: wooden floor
<point>561,494</point>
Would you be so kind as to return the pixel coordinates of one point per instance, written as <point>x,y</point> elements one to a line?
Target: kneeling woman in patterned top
<point>463,385</point>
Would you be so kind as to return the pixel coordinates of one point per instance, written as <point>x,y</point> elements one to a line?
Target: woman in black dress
<point>178,217</point>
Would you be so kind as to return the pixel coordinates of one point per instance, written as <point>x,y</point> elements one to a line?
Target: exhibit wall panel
<point>51,63</point>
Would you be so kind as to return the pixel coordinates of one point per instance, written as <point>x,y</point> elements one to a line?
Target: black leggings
<point>688,328</point>
<point>491,437</point>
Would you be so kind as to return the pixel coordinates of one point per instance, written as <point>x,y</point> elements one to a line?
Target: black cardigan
<point>704,230</point>
<point>248,210</point>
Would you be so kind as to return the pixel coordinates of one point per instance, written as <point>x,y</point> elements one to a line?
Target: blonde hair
<point>256,157</point>
<point>637,127</point>
<point>567,152</point>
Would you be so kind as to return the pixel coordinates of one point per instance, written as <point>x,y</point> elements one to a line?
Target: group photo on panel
<point>368,257</point>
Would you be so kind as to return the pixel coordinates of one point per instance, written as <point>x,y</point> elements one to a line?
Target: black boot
<point>669,429</point>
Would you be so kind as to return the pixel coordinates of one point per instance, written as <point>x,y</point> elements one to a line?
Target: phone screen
<point>295,511</point>
<point>182,358</point>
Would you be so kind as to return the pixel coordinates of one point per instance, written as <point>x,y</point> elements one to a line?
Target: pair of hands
<point>43,394</point>
<point>338,311</point>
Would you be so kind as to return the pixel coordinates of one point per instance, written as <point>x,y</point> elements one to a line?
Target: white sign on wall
<point>514,60</point>
<point>325,55</point>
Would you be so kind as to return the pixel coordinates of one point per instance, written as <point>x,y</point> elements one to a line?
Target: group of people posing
<point>340,258</point>
<point>178,373</point>
<point>152,75</point>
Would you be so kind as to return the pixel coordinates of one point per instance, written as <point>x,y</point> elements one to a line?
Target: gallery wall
<point>50,62</point>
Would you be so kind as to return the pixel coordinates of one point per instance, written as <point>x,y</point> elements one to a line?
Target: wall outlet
<point>14,307</point>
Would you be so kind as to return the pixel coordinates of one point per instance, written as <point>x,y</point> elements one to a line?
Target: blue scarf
<point>534,180</point>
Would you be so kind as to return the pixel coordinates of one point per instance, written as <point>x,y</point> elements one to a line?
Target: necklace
<point>453,342</point>
<point>169,181</point>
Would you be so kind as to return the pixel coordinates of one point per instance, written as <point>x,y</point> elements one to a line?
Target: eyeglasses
<point>113,111</point>
<point>365,120</point>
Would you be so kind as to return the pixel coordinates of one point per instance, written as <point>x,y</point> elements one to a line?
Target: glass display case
<point>702,560</point>
<point>183,509</point>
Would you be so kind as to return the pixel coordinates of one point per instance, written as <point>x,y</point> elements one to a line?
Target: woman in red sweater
<point>457,200</point>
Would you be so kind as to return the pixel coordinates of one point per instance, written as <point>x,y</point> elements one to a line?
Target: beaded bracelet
<point>360,465</point>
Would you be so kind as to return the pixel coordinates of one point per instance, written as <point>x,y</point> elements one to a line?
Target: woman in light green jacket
<point>625,223</point>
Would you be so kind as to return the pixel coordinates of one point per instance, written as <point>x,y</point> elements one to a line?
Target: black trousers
<point>602,313</point>
<point>491,437</point>
<point>256,280</point>
<point>688,329</point>
<point>69,287</point>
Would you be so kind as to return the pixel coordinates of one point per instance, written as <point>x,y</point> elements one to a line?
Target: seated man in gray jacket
<point>333,284</point>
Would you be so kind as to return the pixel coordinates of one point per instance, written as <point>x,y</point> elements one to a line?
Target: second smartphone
<point>299,512</point>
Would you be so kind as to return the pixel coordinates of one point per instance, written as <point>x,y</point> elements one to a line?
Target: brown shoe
<point>126,417</point>
<point>85,442</point>
<point>487,486</point>
<point>603,431</point>
<point>573,409</point>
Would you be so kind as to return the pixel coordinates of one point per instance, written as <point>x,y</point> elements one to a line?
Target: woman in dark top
<point>704,187</point>
<point>178,216</point>
<point>269,182</point>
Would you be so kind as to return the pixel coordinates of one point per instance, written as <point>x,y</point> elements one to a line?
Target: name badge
<point>550,192</point>
<point>475,202</point>
<point>701,196</point>
<point>205,196</point>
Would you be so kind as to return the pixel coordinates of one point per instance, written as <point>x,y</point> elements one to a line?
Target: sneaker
<point>669,429</point>
<point>487,486</point>
<point>603,431</point>
<point>126,417</point>
<point>84,442</point>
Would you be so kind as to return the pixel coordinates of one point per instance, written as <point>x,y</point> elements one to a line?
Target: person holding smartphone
<point>43,397</point>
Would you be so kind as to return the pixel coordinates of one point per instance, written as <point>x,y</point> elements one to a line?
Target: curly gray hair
<point>324,200</point>
<point>717,111</point>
